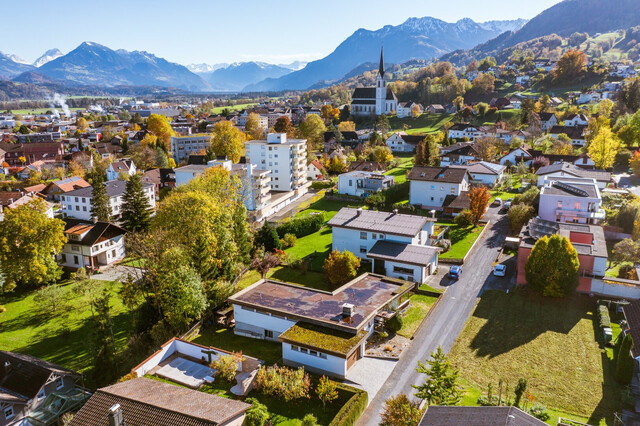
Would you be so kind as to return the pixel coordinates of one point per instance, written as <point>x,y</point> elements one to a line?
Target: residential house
<point>396,244</point>
<point>315,170</point>
<point>484,173</point>
<point>429,186</point>
<point>548,120</point>
<point>462,155</point>
<point>366,166</point>
<point>146,402</point>
<point>76,204</point>
<point>183,146</point>
<point>436,109</point>
<point>576,120</point>
<point>588,240</point>
<point>124,166</point>
<point>56,189</point>
<point>623,71</point>
<point>462,130</point>
<point>91,245</point>
<point>34,391</point>
<point>500,103</point>
<point>572,200</point>
<point>478,416</point>
<point>523,79</point>
<point>362,184</point>
<point>402,142</point>
<point>405,109</point>
<point>562,169</point>
<point>31,152</point>
<point>108,150</point>
<point>589,97</point>
<point>378,100</point>
<point>13,199</point>
<point>325,338</point>
<point>160,178</point>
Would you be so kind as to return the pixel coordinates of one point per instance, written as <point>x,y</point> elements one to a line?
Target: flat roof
<point>368,293</point>
<point>538,227</point>
<point>384,222</point>
<point>325,339</point>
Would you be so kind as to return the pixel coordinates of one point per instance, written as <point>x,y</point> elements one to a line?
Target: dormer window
<point>8,412</point>
<point>59,383</point>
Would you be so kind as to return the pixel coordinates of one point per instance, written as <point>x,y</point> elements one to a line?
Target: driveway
<point>624,181</point>
<point>446,320</point>
<point>360,374</point>
<point>117,273</point>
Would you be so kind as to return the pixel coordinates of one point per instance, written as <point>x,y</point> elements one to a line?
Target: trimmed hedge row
<point>301,227</point>
<point>353,409</point>
<point>603,316</point>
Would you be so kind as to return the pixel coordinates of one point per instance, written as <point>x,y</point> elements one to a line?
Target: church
<point>378,100</point>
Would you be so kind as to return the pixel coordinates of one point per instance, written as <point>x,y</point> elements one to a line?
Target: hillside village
<point>454,241</point>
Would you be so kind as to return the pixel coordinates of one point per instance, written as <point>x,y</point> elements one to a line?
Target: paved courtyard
<point>370,374</point>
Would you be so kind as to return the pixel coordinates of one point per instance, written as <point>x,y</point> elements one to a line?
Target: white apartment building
<point>285,159</point>
<point>430,186</point>
<point>183,146</point>
<point>573,200</point>
<point>77,204</point>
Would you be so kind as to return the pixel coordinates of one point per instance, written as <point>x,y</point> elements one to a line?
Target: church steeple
<point>381,68</point>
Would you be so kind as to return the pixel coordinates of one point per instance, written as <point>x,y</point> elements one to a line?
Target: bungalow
<point>572,200</point>
<point>484,173</point>
<point>362,184</point>
<point>402,142</point>
<point>125,166</point>
<point>436,109</point>
<point>323,331</point>
<point>561,170</point>
<point>30,387</point>
<point>366,166</point>
<point>429,186</point>
<point>91,244</point>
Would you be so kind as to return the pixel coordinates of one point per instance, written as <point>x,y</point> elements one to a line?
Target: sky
<point>200,31</point>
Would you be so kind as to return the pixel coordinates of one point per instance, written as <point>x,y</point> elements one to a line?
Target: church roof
<point>369,93</point>
<point>381,67</point>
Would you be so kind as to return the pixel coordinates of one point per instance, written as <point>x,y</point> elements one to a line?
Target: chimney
<point>433,214</point>
<point>347,310</point>
<point>115,416</point>
<point>359,212</point>
<point>94,219</point>
<point>395,211</point>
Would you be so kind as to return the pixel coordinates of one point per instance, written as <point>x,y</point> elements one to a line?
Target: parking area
<point>360,374</point>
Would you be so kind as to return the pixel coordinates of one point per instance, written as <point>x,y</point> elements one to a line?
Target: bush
<point>464,218</point>
<point>624,366</point>
<point>444,244</point>
<point>302,226</point>
<point>341,267</point>
<point>283,382</point>
<point>353,409</point>
<point>320,184</point>
<point>389,197</point>
<point>395,324</point>
<point>530,197</point>
<point>603,315</point>
<point>539,411</point>
<point>309,420</point>
<point>257,414</point>
<point>2,309</point>
<point>226,366</point>
<point>624,270</point>
<point>289,240</point>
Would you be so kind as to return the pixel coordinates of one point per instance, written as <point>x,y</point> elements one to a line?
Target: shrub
<point>226,366</point>
<point>2,309</point>
<point>341,267</point>
<point>383,335</point>
<point>464,218</point>
<point>326,390</point>
<point>624,270</point>
<point>444,244</point>
<point>301,227</point>
<point>309,420</point>
<point>624,366</point>
<point>399,410</point>
<point>283,382</point>
<point>353,409</point>
<point>530,197</point>
<point>395,324</point>
<point>539,411</point>
<point>289,240</point>
<point>603,315</point>
<point>257,414</point>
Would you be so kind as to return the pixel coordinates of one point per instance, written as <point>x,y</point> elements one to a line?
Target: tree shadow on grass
<point>611,395</point>
<point>518,318</point>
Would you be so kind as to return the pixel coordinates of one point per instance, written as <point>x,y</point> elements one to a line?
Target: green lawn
<point>426,123</point>
<point>461,239</point>
<point>238,107</point>
<point>223,338</point>
<point>426,287</point>
<point>312,279</point>
<point>314,248</point>
<point>418,308</point>
<point>134,263</point>
<point>550,342</point>
<point>613,272</point>
<point>28,111</point>
<point>63,337</point>
<point>328,207</point>
<point>405,163</point>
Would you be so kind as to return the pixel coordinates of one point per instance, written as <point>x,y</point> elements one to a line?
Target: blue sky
<point>195,31</point>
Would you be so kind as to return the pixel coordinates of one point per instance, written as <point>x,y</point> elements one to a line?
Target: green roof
<point>323,338</point>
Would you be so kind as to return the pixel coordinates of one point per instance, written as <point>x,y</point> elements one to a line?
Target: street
<point>447,319</point>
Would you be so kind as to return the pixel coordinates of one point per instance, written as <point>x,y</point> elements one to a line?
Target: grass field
<point>64,337</point>
<point>405,163</point>
<point>238,107</point>
<point>418,309</point>
<point>39,110</point>
<point>550,342</point>
<point>328,207</point>
<point>426,123</point>
<point>461,239</point>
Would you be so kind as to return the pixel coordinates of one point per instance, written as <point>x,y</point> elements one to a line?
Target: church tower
<point>381,87</point>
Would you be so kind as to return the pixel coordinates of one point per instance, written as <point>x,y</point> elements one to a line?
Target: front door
<point>353,358</point>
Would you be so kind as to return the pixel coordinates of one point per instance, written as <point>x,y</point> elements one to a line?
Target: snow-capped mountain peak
<point>47,56</point>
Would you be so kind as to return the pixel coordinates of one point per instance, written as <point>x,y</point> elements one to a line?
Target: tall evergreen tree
<point>242,234</point>
<point>441,385</point>
<point>136,215</point>
<point>105,363</point>
<point>100,201</point>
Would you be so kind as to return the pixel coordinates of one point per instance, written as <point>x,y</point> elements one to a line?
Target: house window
<point>363,249</point>
<point>75,260</point>
<point>363,235</point>
<point>304,350</point>
<point>559,204</point>
<point>268,334</point>
<point>374,236</point>
<point>453,190</point>
<point>431,198</point>
<point>77,208</point>
<point>576,206</point>
<point>84,208</point>
<point>41,394</point>
<point>8,412</point>
<point>59,383</point>
<point>350,182</point>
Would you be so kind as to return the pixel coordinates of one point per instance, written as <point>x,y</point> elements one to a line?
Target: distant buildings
<point>183,146</point>
<point>285,159</point>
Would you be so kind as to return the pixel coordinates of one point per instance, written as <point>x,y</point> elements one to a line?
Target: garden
<point>552,343</point>
<point>461,237</point>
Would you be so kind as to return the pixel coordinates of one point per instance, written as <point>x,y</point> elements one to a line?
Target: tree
<point>634,163</point>
<point>263,262</point>
<point>553,266</point>
<point>458,102</point>
<point>347,126</point>
<point>104,347</point>
<point>624,365</point>
<point>626,250</point>
<point>540,161</point>
<point>399,411</point>
<point>479,197</point>
<point>519,390</point>
<point>136,215</point>
<point>183,296</point>
<point>228,141</point>
<point>486,148</point>
<point>327,390</point>
<point>159,126</point>
<point>100,200</point>
<point>257,414</point>
<point>464,219</point>
<point>415,110</point>
<point>562,145</point>
<point>519,215</point>
<point>309,420</point>
<point>326,112</point>
<point>482,108</point>
<point>336,165</point>
<point>51,298</point>
<point>569,66</point>
<point>382,124</point>
<point>341,267</point>
<point>484,83</point>
<point>441,385</point>
<point>283,125</point>
<point>253,128</point>
<point>427,151</point>
<point>227,366</point>
<point>312,128</point>
<point>381,154</point>
<point>28,241</point>
<point>603,148</point>
<point>81,124</point>
<point>267,237</point>
<point>242,234</point>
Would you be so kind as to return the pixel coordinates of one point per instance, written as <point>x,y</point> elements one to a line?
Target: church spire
<point>381,68</point>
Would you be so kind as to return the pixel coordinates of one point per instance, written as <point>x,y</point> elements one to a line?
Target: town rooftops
<point>588,240</point>
<point>123,165</point>
<point>403,253</point>
<point>90,233</point>
<point>368,293</point>
<point>632,315</point>
<point>482,168</point>
<point>573,170</point>
<point>437,174</point>
<point>69,184</point>
<point>478,416</point>
<point>375,221</point>
<point>146,402</point>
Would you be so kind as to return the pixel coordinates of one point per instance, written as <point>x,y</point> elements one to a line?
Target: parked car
<point>497,202</point>
<point>455,272</point>
<point>500,270</point>
<point>507,204</point>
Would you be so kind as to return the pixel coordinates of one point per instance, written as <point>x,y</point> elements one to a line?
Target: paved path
<point>360,375</point>
<point>117,273</point>
<point>624,181</point>
<point>447,319</point>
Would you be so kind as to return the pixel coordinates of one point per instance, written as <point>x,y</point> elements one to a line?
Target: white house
<point>575,120</point>
<point>125,166</point>
<point>397,244</point>
<point>523,79</point>
<point>429,186</point>
<point>91,245</point>
<point>548,120</point>
<point>324,332</point>
<point>405,109</point>
<point>362,184</point>
<point>315,170</point>
<point>485,173</point>
<point>462,130</point>
<point>569,170</point>
<point>402,142</point>
<point>573,200</point>
<point>77,204</point>
<point>460,154</point>
<point>589,97</point>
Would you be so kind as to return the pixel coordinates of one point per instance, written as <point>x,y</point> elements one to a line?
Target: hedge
<point>390,196</point>
<point>302,226</point>
<point>603,315</point>
<point>353,409</point>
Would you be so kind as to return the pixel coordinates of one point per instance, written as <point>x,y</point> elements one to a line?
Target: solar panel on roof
<point>570,189</point>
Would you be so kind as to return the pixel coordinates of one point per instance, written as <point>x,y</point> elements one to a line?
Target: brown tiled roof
<point>437,174</point>
<point>147,402</point>
<point>478,416</point>
<point>71,183</point>
<point>632,315</point>
<point>5,196</point>
<point>459,202</point>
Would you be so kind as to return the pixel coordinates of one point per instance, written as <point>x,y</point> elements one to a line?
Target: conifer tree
<point>136,214</point>
<point>100,201</point>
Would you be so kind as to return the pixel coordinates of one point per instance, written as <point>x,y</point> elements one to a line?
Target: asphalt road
<point>447,319</point>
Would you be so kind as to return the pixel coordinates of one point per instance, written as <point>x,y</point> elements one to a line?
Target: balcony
<point>598,214</point>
